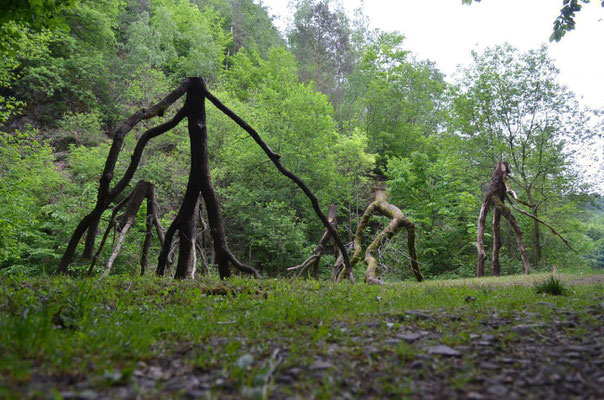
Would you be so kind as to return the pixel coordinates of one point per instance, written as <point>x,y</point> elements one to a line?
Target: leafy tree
<point>398,101</point>
<point>249,24</point>
<point>321,41</point>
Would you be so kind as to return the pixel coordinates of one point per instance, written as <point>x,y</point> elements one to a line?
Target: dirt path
<point>427,354</point>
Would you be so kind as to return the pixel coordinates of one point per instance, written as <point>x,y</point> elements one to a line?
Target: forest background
<point>344,105</point>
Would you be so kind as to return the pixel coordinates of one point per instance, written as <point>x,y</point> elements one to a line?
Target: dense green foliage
<point>344,106</point>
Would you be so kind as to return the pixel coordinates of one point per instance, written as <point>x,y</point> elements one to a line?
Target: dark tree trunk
<point>185,222</point>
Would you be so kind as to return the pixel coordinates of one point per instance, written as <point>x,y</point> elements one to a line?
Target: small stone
<point>88,395</point>
<point>198,394</point>
<point>582,349</point>
<point>244,361</point>
<point>409,336</point>
<point>526,329</point>
<point>470,299</point>
<point>497,390</point>
<point>488,365</point>
<point>320,365</point>
<point>371,349</point>
<point>418,315</point>
<point>443,350</point>
<point>565,324</point>
<point>474,396</point>
<point>392,341</point>
<point>418,364</point>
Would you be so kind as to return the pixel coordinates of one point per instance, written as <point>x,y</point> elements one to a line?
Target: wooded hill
<point>345,106</point>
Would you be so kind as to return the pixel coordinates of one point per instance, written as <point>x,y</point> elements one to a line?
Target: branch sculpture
<point>499,189</point>
<point>142,190</point>
<point>381,206</point>
<point>314,260</point>
<point>199,183</point>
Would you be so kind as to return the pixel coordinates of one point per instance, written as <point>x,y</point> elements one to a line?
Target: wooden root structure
<point>199,185</point>
<point>313,262</point>
<point>397,220</point>
<point>132,203</point>
<point>499,190</point>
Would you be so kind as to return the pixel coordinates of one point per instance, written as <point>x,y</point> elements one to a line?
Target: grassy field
<point>125,337</point>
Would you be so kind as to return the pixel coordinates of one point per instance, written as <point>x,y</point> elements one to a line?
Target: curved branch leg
<point>274,157</point>
<point>116,250</point>
<point>505,211</point>
<point>106,196</point>
<point>544,223</point>
<point>164,258</point>
<point>482,255</point>
<point>240,266</point>
<point>187,233</point>
<point>398,219</point>
<point>147,242</point>
<point>358,236</point>
<point>110,226</point>
<point>496,241</point>
<point>315,259</point>
<point>311,261</point>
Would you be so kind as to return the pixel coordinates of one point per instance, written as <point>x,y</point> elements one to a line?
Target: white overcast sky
<point>445,31</point>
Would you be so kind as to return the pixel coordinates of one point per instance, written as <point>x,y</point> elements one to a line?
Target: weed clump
<point>552,286</point>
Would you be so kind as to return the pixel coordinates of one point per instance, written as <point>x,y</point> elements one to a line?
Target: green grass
<point>77,327</point>
<point>552,286</point>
